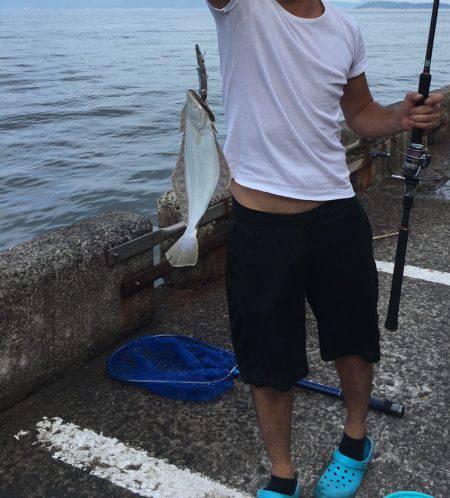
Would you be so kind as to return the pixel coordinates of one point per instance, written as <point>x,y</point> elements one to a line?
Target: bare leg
<point>356,376</point>
<point>274,409</point>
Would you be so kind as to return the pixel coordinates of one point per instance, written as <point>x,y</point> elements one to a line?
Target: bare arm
<point>370,120</point>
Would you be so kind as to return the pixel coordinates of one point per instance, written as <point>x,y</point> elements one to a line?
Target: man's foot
<point>343,477</point>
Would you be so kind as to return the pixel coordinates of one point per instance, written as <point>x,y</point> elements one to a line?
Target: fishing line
<point>442,26</point>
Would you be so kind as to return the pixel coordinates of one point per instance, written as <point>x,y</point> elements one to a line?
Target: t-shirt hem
<point>342,193</point>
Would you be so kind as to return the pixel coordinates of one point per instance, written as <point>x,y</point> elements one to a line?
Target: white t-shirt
<point>283,78</point>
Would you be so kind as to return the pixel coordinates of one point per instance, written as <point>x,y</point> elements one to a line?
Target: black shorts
<point>273,262</point>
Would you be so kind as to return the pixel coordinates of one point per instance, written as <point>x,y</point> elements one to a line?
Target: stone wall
<point>60,304</point>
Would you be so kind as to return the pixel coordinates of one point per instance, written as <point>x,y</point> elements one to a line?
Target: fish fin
<point>185,251</point>
<point>183,119</point>
<point>179,182</point>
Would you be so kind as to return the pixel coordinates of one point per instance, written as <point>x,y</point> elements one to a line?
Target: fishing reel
<point>417,159</point>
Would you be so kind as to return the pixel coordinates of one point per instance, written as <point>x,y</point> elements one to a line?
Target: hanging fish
<point>200,172</point>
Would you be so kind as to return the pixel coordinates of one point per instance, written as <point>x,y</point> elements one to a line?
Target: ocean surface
<point>90,103</point>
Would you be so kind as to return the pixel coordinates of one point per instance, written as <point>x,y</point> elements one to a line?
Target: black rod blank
<point>411,184</point>
<point>425,77</point>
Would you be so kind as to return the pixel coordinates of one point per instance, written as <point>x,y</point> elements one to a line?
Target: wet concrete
<point>221,439</point>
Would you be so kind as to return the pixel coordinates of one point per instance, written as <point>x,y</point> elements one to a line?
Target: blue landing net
<point>175,366</point>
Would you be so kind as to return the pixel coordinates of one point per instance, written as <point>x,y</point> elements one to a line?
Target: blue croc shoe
<point>264,493</point>
<point>344,475</point>
<point>408,494</point>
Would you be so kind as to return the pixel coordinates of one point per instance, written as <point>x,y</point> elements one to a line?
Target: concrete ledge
<point>60,304</point>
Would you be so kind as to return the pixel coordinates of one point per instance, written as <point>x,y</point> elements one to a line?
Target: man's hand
<point>426,116</point>
<point>370,120</point>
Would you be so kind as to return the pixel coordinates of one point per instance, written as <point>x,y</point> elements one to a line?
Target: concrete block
<point>60,304</point>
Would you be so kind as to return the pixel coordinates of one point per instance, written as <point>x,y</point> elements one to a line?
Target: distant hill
<point>344,5</point>
<point>96,4</point>
<point>398,5</point>
<point>156,4</point>
<point>184,4</point>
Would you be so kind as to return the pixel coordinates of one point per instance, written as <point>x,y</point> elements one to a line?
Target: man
<point>297,227</point>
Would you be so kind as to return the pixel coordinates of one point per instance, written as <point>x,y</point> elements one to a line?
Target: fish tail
<point>185,251</point>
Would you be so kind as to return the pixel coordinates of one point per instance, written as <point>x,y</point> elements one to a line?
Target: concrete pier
<point>221,439</point>
<point>62,316</point>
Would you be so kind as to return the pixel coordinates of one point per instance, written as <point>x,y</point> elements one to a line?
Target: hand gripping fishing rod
<point>417,158</point>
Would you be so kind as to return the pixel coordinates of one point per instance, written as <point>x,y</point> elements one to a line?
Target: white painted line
<point>130,468</point>
<point>21,434</point>
<point>438,277</point>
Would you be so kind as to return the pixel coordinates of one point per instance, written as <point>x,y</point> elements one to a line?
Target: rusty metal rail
<point>145,242</point>
<point>146,278</point>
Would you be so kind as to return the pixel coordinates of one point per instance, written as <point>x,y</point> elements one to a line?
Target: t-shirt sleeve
<point>359,64</point>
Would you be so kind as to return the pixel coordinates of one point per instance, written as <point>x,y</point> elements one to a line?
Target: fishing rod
<point>202,75</point>
<point>416,160</point>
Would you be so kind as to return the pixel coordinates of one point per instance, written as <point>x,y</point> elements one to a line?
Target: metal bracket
<point>120,253</point>
<point>147,277</point>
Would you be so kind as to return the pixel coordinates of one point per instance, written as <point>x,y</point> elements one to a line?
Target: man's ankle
<point>285,471</point>
<point>355,431</point>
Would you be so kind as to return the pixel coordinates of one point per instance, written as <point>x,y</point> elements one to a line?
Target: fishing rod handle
<point>399,266</point>
<point>424,89</point>
<point>397,280</point>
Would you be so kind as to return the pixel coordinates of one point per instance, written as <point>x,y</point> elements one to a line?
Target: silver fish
<point>200,172</point>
